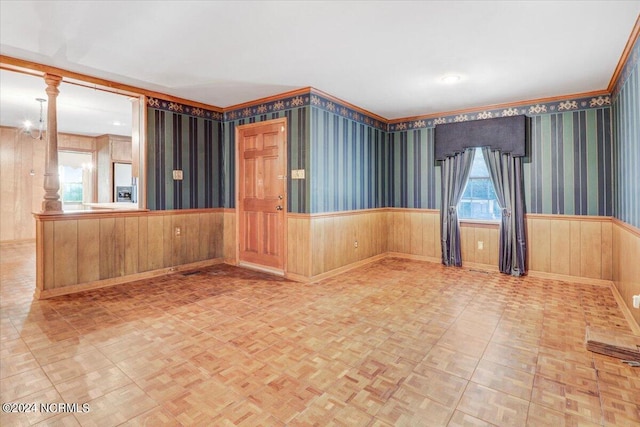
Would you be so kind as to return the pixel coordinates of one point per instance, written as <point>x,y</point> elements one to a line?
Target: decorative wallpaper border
<point>272,106</point>
<point>315,99</point>
<point>310,98</point>
<point>556,106</point>
<point>176,107</point>
<point>336,107</point>
<point>627,69</point>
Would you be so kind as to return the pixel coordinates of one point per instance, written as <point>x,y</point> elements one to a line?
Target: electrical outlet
<point>355,244</point>
<point>178,231</point>
<point>480,245</point>
<point>636,301</point>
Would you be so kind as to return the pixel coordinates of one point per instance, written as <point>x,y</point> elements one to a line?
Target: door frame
<point>240,181</point>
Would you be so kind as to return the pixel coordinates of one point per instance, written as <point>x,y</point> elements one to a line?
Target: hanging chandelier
<point>28,125</point>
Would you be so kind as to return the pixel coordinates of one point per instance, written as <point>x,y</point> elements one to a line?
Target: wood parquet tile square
<point>392,343</point>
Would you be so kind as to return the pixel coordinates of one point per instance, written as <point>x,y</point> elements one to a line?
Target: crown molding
<point>618,72</point>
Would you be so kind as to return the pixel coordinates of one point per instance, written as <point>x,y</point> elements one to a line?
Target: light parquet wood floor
<point>396,342</point>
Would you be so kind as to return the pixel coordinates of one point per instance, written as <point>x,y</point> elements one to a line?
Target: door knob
<point>278,208</point>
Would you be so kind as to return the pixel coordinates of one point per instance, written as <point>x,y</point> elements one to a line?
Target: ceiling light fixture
<point>450,79</point>
<point>27,125</point>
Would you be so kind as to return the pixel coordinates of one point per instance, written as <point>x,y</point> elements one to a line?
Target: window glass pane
<point>479,197</point>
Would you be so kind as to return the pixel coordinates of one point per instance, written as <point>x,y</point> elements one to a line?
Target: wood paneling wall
<point>229,250</point>
<point>20,192</point>
<point>333,238</point>
<point>559,245</point>
<point>299,245</point>
<point>81,249</point>
<point>578,246</point>
<point>415,232</point>
<point>626,268</point>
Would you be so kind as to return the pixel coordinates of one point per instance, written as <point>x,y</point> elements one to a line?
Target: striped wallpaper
<point>568,168</point>
<point>414,172</point>
<point>352,162</point>
<point>349,167</point>
<point>626,141</point>
<point>297,155</point>
<point>191,144</point>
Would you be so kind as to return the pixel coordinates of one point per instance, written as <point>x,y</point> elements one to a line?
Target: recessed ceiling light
<point>117,123</point>
<point>450,79</point>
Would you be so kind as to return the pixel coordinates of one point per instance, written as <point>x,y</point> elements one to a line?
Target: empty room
<point>320,213</point>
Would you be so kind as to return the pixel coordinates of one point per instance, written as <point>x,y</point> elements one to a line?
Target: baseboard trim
<point>567,278</point>
<point>346,268</point>
<point>297,277</point>
<point>412,257</point>
<point>66,290</point>
<point>626,312</point>
<point>261,268</point>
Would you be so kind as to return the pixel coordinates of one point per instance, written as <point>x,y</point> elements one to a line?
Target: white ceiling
<point>384,56</point>
<point>81,110</point>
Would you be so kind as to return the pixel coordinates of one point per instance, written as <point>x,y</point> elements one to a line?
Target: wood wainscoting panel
<point>431,246</point>
<point>625,266</point>
<point>47,241</point>
<point>539,245</point>
<point>575,246</point>
<point>471,236</point>
<point>230,237</point>
<point>322,241</point>
<point>131,245</point>
<point>88,250</point>
<point>591,250</point>
<point>183,248</point>
<point>569,245</point>
<point>155,245</point>
<point>560,247</point>
<point>606,252</point>
<point>98,249</point>
<point>65,257</point>
<point>143,243</point>
<point>167,240</point>
<point>298,245</point>
<point>344,238</point>
<point>190,248</point>
<point>119,250</point>
<point>414,232</point>
<point>416,220</point>
<point>211,239</point>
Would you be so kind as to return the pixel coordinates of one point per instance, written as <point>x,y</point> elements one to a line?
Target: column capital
<point>52,80</point>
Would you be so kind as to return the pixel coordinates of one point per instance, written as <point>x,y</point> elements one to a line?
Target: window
<point>76,181</point>
<point>479,197</point>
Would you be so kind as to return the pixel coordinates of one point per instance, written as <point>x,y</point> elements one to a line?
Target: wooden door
<point>262,198</point>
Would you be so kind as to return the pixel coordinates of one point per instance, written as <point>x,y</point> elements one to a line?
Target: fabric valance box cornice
<point>507,134</point>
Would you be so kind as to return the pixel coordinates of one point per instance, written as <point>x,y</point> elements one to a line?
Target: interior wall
<point>626,135</point>
<point>349,162</point>
<point>298,152</point>
<point>413,170</point>
<point>21,191</point>
<point>626,268</point>
<point>626,153</point>
<point>80,250</point>
<point>190,140</point>
<point>567,170</point>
